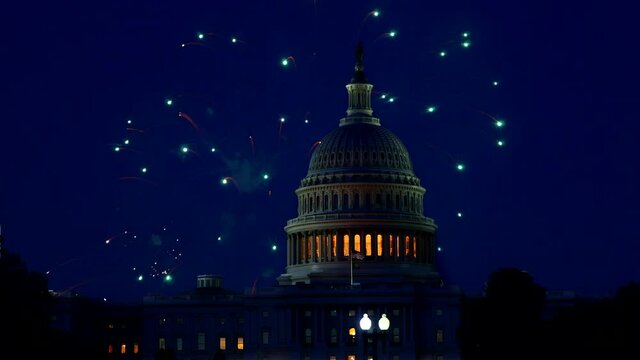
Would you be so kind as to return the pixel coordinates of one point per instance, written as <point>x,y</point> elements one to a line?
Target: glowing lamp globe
<point>365,323</point>
<point>384,323</point>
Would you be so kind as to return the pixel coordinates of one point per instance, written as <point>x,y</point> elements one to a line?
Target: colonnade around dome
<point>325,246</point>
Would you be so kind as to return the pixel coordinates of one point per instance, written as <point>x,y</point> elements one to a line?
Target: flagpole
<point>351,265</point>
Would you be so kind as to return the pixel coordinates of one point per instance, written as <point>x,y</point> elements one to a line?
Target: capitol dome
<point>360,202</point>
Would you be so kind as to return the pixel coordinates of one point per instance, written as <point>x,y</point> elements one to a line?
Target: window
<point>334,203</point>
<point>162,343</point>
<point>307,313</point>
<point>179,342</point>
<point>333,339</point>
<point>332,357</point>
<point>307,336</point>
<point>345,246</point>
<point>123,348</point>
<point>240,343</point>
<point>439,312</point>
<point>396,335</point>
<point>222,343</point>
<point>345,201</point>
<point>356,243</point>
<point>352,313</point>
<point>351,357</point>
<point>367,246</point>
<point>396,312</point>
<point>439,357</point>
<point>334,245</point>
<point>439,336</point>
<point>110,349</point>
<point>334,312</point>
<point>352,335</point>
<point>265,337</point>
<point>136,348</point>
<point>265,314</point>
<point>201,341</point>
<point>379,244</point>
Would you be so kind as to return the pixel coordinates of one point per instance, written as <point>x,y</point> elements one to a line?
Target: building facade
<point>360,216</point>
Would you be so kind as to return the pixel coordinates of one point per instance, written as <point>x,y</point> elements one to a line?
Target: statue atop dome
<point>358,76</point>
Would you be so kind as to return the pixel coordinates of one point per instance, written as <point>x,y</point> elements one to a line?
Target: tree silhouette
<point>506,323</point>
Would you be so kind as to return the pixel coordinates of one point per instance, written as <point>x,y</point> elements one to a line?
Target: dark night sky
<point>559,200</point>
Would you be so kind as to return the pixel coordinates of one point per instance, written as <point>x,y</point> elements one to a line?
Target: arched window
<point>345,201</point>
<point>379,244</point>
<point>334,244</point>
<point>356,243</point>
<point>345,245</point>
<point>368,245</point>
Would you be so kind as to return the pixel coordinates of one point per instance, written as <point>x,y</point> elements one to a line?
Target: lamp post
<point>381,331</point>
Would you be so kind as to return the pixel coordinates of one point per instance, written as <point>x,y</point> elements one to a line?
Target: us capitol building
<point>359,206</point>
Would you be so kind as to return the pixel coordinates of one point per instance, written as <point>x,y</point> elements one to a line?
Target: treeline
<point>514,319</point>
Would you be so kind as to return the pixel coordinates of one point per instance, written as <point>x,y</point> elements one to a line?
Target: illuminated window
<point>367,246</point>
<point>123,348</point>
<point>406,245</point>
<point>356,243</point>
<point>352,335</point>
<point>334,245</point>
<point>265,337</point>
<point>136,348</point>
<point>334,336</point>
<point>414,247</point>
<point>332,357</point>
<point>201,339</point>
<point>110,326</point>
<point>309,240</point>
<point>317,246</point>
<point>390,245</point>
<point>351,357</point>
<point>439,336</point>
<point>110,349</point>
<point>222,343</point>
<point>379,244</point>
<point>162,343</point>
<point>240,343</point>
<point>345,246</point>
<point>179,344</point>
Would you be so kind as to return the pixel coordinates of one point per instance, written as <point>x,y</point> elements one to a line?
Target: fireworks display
<point>211,113</point>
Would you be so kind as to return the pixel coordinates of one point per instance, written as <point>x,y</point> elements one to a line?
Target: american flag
<point>356,255</point>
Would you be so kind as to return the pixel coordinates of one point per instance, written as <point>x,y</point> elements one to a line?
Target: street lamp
<point>383,326</point>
